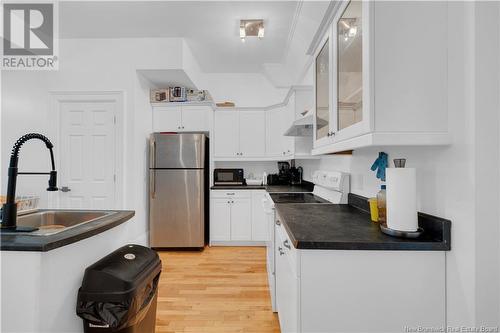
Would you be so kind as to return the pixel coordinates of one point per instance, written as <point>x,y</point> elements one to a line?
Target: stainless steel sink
<point>51,222</point>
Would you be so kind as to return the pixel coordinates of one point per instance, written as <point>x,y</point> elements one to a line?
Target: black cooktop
<point>280,198</point>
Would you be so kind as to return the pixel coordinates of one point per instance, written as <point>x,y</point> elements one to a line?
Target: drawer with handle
<point>284,246</point>
<point>230,194</point>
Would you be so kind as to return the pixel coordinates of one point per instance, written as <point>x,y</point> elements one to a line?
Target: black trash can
<point>119,292</point>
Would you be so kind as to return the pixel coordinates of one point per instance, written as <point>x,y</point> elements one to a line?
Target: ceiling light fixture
<point>251,28</point>
<point>348,28</point>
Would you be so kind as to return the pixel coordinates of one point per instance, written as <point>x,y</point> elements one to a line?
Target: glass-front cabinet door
<point>342,77</point>
<point>350,66</point>
<point>323,86</point>
<point>350,70</point>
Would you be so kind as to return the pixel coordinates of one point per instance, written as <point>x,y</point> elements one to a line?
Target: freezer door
<point>177,151</point>
<point>176,208</point>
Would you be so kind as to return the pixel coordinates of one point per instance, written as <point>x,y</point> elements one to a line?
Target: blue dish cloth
<point>380,164</point>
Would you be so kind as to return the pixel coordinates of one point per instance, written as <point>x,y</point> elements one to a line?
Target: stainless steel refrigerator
<point>178,193</point>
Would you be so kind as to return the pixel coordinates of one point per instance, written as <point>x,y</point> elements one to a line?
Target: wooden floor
<point>222,289</point>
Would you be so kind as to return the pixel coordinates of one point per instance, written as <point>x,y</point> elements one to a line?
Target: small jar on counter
<point>381,204</point>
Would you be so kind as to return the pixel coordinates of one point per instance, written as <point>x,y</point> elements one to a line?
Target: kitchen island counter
<point>42,243</point>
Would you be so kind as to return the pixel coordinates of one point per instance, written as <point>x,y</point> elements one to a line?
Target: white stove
<point>330,187</point>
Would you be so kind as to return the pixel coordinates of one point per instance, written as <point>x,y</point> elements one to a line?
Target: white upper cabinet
<point>240,134</point>
<point>273,130</point>
<point>278,145</point>
<point>167,118</point>
<point>195,118</point>
<point>252,134</point>
<point>226,134</point>
<point>380,78</point>
<point>258,135</point>
<point>179,118</point>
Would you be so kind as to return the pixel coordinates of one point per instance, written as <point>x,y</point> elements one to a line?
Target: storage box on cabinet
<point>400,86</point>
<point>179,118</point>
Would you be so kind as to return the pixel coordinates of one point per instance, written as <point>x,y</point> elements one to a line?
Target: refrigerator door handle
<point>152,154</point>
<point>152,183</point>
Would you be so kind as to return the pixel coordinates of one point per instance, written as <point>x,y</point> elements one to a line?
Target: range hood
<point>304,125</point>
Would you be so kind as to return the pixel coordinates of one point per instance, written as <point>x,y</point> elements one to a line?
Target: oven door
<point>268,206</point>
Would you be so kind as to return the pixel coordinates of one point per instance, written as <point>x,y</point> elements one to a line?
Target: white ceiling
<point>210,28</point>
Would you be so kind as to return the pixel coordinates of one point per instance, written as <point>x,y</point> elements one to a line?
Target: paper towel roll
<point>401,199</point>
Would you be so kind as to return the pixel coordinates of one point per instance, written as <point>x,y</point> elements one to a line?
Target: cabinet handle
<point>287,244</point>
<point>230,193</point>
<point>280,249</point>
<point>278,222</point>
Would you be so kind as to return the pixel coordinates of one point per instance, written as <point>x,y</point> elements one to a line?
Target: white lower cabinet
<point>241,220</point>
<point>260,229</point>
<point>220,221</point>
<point>287,288</point>
<point>328,291</point>
<point>235,217</point>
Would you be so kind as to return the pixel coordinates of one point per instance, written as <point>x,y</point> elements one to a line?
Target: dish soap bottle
<point>381,204</point>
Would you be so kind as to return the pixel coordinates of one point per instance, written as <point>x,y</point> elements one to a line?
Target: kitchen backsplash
<point>364,182</point>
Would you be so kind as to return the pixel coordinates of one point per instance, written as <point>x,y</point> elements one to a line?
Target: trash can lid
<point>120,273</point>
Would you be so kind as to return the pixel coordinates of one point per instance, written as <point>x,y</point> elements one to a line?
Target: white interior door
<point>87,153</point>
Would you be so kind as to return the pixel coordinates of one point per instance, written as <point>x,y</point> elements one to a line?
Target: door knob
<point>64,189</point>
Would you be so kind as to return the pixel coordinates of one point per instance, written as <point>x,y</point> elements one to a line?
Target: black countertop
<point>345,227</point>
<point>304,187</point>
<point>26,242</point>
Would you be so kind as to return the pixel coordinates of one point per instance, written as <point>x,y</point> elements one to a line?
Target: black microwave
<point>228,177</point>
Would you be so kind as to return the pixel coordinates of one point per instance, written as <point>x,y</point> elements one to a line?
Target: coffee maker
<point>287,174</point>
<point>296,175</point>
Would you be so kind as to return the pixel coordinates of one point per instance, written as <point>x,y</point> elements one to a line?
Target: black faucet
<point>9,209</point>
